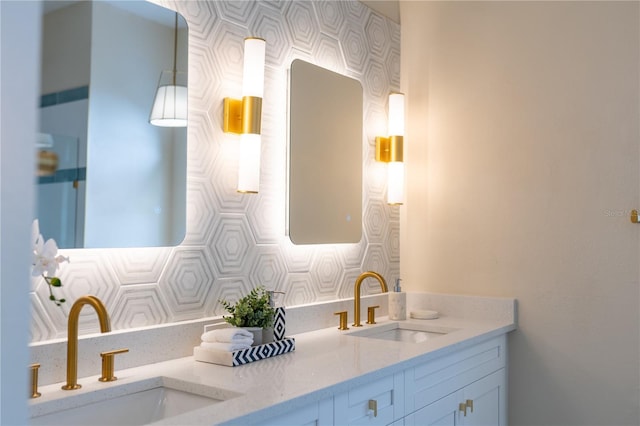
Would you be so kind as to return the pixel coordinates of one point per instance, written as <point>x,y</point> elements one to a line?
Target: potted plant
<point>253,311</point>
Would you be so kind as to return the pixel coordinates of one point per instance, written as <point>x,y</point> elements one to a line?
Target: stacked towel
<point>227,339</point>
<point>227,347</point>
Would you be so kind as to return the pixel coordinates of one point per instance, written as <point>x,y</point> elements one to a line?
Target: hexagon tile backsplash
<point>237,241</point>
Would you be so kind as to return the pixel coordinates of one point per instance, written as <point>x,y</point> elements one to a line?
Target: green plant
<point>253,310</point>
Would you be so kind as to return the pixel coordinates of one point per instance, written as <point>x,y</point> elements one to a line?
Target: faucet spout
<point>72,335</point>
<point>356,293</point>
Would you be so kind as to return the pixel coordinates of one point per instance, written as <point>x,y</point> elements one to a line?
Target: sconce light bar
<point>390,150</point>
<point>244,116</point>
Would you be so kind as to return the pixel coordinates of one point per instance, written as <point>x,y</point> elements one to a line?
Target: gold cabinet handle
<point>108,363</point>
<point>469,404</point>
<point>463,407</point>
<point>373,406</point>
<point>34,380</point>
<point>634,216</point>
<point>343,320</point>
<point>371,314</point>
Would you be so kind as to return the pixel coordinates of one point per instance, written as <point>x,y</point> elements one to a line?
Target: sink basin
<point>134,404</point>
<point>403,332</point>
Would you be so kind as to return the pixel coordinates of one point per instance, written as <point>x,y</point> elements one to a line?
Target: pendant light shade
<point>170,103</point>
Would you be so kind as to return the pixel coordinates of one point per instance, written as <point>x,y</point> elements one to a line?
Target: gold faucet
<point>356,297</point>
<point>72,335</point>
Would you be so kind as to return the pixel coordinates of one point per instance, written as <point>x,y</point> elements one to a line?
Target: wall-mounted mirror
<point>121,182</point>
<point>325,156</point>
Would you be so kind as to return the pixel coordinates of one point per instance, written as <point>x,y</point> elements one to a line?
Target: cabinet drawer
<point>433,380</point>
<point>317,414</point>
<point>386,394</point>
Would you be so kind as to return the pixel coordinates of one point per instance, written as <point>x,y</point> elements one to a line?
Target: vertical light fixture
<point>390,150</point>
<point>244,116</point>
<point>170,104</point>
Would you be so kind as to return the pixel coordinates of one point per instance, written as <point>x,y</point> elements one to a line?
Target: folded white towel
<point>226,347</point>
<point>228,335</point>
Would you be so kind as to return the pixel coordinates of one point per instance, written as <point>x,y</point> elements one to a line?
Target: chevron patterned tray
<point>245,356</point>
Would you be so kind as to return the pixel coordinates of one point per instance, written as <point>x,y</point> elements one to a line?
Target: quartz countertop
<point>325,362</point>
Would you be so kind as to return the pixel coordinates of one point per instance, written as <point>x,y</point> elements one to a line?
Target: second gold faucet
<point>356,295</point>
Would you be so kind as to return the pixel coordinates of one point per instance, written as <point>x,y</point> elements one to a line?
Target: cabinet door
<point>481,403</point>
<point>443,412</point>
<point>489,401</point>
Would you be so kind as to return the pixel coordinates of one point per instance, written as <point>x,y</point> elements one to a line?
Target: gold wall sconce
<point>390,150</point>
<point>244,116</point>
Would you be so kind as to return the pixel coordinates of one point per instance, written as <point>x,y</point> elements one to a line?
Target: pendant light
<point>170,104</point>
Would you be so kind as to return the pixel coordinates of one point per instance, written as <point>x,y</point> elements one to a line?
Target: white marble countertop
<point>326,362</point>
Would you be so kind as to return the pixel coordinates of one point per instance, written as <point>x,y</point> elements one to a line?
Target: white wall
<point>523,148</point>
<point>19,65</point>
<point>66,48</point>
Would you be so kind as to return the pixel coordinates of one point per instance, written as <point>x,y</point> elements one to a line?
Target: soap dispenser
<point>397,303</point>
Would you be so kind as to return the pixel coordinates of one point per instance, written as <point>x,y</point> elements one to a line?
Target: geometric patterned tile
<point>230,289</point>
<point>138,266</point>
<point>375,260</point>
<point>347,286</point>
<point>234,241</point>
<point>201,212</point>
<point>264,218</point>
<point>269,25</point>
<point>301,22</point>
<point>330,16</point>
<point>299,289</point>
<point>326,271</point>
<point>186,282</point>
<point>355,49</point>
<point>42,326</point>
<point>328,52</point>
<point>378,37</point>
<point>232,244</point>
<point>268,268</point>
<point>139,306</point>
<point>376,221</point>
<point>375,76</point>
<point>297,258</point>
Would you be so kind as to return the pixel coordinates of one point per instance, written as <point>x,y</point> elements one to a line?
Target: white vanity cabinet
<point>465,388</point>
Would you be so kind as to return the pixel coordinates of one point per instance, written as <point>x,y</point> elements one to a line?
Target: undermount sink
<point>139,403</point>
<point>403,332</point>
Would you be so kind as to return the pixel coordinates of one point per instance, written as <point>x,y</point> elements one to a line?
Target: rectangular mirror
<point>120,182</point>
<point>325,156</point>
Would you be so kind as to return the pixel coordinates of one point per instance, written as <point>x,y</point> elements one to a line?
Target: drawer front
<point>377,403</point>
<point>316,414</point>
<point>433,380</point>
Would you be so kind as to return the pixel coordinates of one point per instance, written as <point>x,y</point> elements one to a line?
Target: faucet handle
<point>108,363</point>
<point>34,380</point>
<point>371,314</point>
<point>343,320</point>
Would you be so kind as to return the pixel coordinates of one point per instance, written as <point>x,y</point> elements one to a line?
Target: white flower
<point>45,254</point>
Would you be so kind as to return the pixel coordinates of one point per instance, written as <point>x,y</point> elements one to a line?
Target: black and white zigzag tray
<point>245,356</point>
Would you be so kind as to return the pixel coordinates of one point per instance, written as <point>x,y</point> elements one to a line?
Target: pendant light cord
<point>175,49</point>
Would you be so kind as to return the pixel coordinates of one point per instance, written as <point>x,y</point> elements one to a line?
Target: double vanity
<point>449,370</point>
